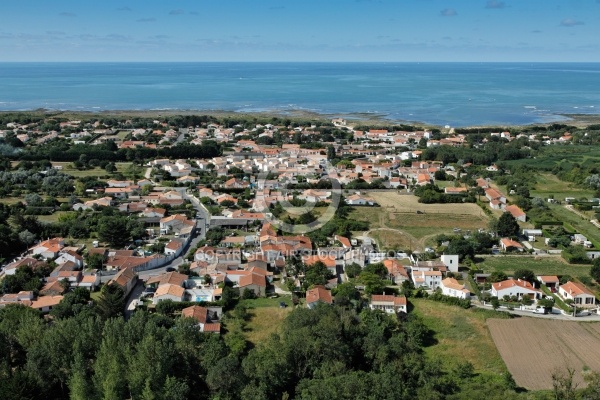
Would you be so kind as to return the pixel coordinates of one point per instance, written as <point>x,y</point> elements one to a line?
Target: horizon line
<point>297,62</point>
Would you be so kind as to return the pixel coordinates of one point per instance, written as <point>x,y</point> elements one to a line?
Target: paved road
<point>203,222</point>
<point>559,315</point>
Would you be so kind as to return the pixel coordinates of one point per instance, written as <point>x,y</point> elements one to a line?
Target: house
<point>168,292</point>
<point>450,261</point>
<point>318,294</point>
<point>89,282</point>
<point>516,212</point>
<point>455,190</point>
<point>451,287</point>
<point>429,279</point>
<point>45,304</point>
<point>49,248</point>
<point>126,279</point>
<point>508,244</point>
<point>397,272</point>
<point>255,282</point>
<point>358,200</point>
<point>174,247</point>
<point>11,268</point>
<point>512,287</point>
<point>577,292</point>
<point>493,194</point>
<point>168,278</point>
<point>388,304</point>
<point>70,256</point>
<point>550,281</point>
<point>202,316</point>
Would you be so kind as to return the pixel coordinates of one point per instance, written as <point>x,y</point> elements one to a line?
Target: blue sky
<point>300,30</point>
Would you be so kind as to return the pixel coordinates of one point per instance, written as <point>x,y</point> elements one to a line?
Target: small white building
<point>389,304</point>
<point>429,279</point>
<point>450,261</point>
<point>451,287</point>
<point>577,292</point>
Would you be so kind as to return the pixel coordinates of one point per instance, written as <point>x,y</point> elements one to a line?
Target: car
<point>170,269</point>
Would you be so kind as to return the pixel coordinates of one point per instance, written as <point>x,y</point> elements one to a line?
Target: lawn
<point>546,265</point>
<point>396,225</point>
<point>98,172</point>
<point>266,317</point>
<point>460,335</point>
<point>548,184</point>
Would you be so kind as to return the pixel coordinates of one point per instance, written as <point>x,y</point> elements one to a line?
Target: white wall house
<point>512,287</point>
<point>451,287</point>
<point>387,303</point>
<point>450,261</point>
<point>577,292</point>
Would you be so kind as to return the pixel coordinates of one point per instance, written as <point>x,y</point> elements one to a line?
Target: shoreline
<point>357,118</point>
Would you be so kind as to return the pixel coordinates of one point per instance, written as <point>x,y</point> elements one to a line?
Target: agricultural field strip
<point>535,348</point>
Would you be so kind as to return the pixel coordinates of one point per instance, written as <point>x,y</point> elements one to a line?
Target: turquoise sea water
<point>456,94</point>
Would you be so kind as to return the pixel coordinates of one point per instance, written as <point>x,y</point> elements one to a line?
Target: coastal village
<point>251,253</point>
<point>246,234</point>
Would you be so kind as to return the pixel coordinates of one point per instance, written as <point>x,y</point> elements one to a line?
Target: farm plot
<point>533,349</point>
<point>402,222</point>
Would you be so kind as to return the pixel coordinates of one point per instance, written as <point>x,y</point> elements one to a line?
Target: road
<point>203,222</point>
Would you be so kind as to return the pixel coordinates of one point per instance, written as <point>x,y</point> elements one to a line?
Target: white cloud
<point>570,22</point>
<point>448,12</point>
<point>495,4</point>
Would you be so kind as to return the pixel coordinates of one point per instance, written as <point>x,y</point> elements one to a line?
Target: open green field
<point>461,335</point>
<point>98,172</point>
<point>266,317</point>
<point>553,155</point>
<point>546,265</point>
<point>397,225</point>
<point>548,184</point>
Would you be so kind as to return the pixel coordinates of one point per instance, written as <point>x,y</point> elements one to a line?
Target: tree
<point>498,276</point>
<point>564,387</point>
<point>524,274</point>
<point>595,270</point>
<point>461,247</point>
<point>316,274</point>
<point>507,225</point>
<point>113,230</point>
<point>26,237</point>
<point>112,301</point>
<point>353,270</point>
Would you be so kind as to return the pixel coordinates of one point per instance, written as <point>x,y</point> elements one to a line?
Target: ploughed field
<point>533,348</point>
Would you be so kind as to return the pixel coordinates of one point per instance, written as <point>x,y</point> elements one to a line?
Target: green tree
<point>113,230</point>
<point>316,274</point>
<point>112,301</point>
<point>353,270</point>
<point>507,225</point>
<point>595,270</point>
<point>524,274</point>
<point>497,276</point>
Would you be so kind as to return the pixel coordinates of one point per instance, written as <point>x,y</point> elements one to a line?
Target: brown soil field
<point>534,348</point>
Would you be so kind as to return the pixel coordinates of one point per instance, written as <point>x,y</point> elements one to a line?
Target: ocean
<point>455,94</point>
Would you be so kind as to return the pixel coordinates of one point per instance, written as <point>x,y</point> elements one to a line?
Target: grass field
<point>461,335</point>
<point>534,348</point>
<point>583,226</point>
<point>547,265</point>
<point>548,184</point>
<point>397,225</point>
<point>99,172</point>
<point>266,317</point>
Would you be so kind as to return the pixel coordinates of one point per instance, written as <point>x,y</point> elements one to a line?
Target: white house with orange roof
<point>428,279</point>
<point>49,248</point>
<point>508,244</point>
<point>550,281</point>
<point>168,292</point>
<point>451,287</point>
<point>578,293</point>
<point>516,212</point>
<point>388,303</point>
<point>515,287</point>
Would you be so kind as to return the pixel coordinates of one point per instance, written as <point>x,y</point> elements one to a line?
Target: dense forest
<point>331,352</point>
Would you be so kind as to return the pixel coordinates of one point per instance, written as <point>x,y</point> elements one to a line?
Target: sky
<point>300,30</point>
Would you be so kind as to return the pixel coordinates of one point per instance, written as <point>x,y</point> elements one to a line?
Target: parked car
<point>170,269</point>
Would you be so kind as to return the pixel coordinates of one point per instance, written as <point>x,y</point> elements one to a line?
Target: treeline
<point>63,151</point>
<point>330,352</point>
